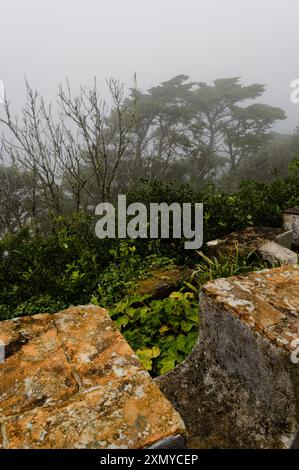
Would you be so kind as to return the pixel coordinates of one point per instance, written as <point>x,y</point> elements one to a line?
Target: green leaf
<point>166,364</point>
<point>181,343</point>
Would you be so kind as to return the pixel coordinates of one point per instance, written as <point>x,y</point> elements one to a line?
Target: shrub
<point>162,332</point>
<point>72,266</point>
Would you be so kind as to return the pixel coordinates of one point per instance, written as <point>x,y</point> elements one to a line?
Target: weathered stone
<point>162,282</point>
<point>275,253</point>
<point>239,388</point>
<point>36,370</point>
<point>70,380</point>
<point>94,347</point>
<point>250,239</point>
<point>123,414</point>
<point>291,222</point>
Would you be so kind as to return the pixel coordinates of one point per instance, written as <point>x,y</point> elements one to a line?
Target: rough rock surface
<point>162,282</point>
<point>291,222</point>
<point>70,380</point>
<point>240,386</point>
<point>275,253</point>
<point>250,239</point>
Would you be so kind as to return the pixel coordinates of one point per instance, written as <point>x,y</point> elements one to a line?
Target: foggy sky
<point>48,40</point>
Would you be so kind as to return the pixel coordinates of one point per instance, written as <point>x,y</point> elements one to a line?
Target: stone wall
<point>240,386</point>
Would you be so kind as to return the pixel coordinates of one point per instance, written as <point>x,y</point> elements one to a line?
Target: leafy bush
<point>259,204</point>
<point>162,332</point>
<point>71,266</point>
<point>120,276</point>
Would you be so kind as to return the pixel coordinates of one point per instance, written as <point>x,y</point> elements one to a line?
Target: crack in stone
<point>75,374</point>
<point>4,436</point>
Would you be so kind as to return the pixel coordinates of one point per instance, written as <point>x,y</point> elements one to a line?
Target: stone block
<point>291,222</point>
<point>239,388</point>
<point>70,380</point>
<point>274,253</point>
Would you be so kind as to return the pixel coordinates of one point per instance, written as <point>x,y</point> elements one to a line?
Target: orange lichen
<point>268,301</point>
<point>70,380</point>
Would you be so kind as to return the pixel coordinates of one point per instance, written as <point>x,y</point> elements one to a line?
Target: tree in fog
<point>202,130</point>
<point>70,157</point>
<point>65,160</point>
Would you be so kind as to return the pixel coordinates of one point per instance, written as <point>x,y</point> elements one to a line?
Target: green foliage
<point>259,204</point>
<point>222,266</point>
<point>162,332</point>
<point>294,165</point>
<point>71,266</point>
<point>63,266</point>
<point>121,273</point>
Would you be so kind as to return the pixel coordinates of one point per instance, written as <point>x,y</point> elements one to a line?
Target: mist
<point>205,39</point>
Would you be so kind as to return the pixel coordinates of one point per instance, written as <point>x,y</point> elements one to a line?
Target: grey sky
<point>47,40</point>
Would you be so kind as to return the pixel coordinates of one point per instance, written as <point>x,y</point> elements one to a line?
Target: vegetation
<point>71,266</point>
<point>179,142</point>
<point>162,332</point>
<point>57,162</point>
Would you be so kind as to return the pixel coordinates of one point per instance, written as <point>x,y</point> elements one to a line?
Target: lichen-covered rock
<point>36,369</point>
<point>162,282</point>
<point>274,253</point>
<point>240,386</point>
<point>250,239</point>
<point>70,380</point>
